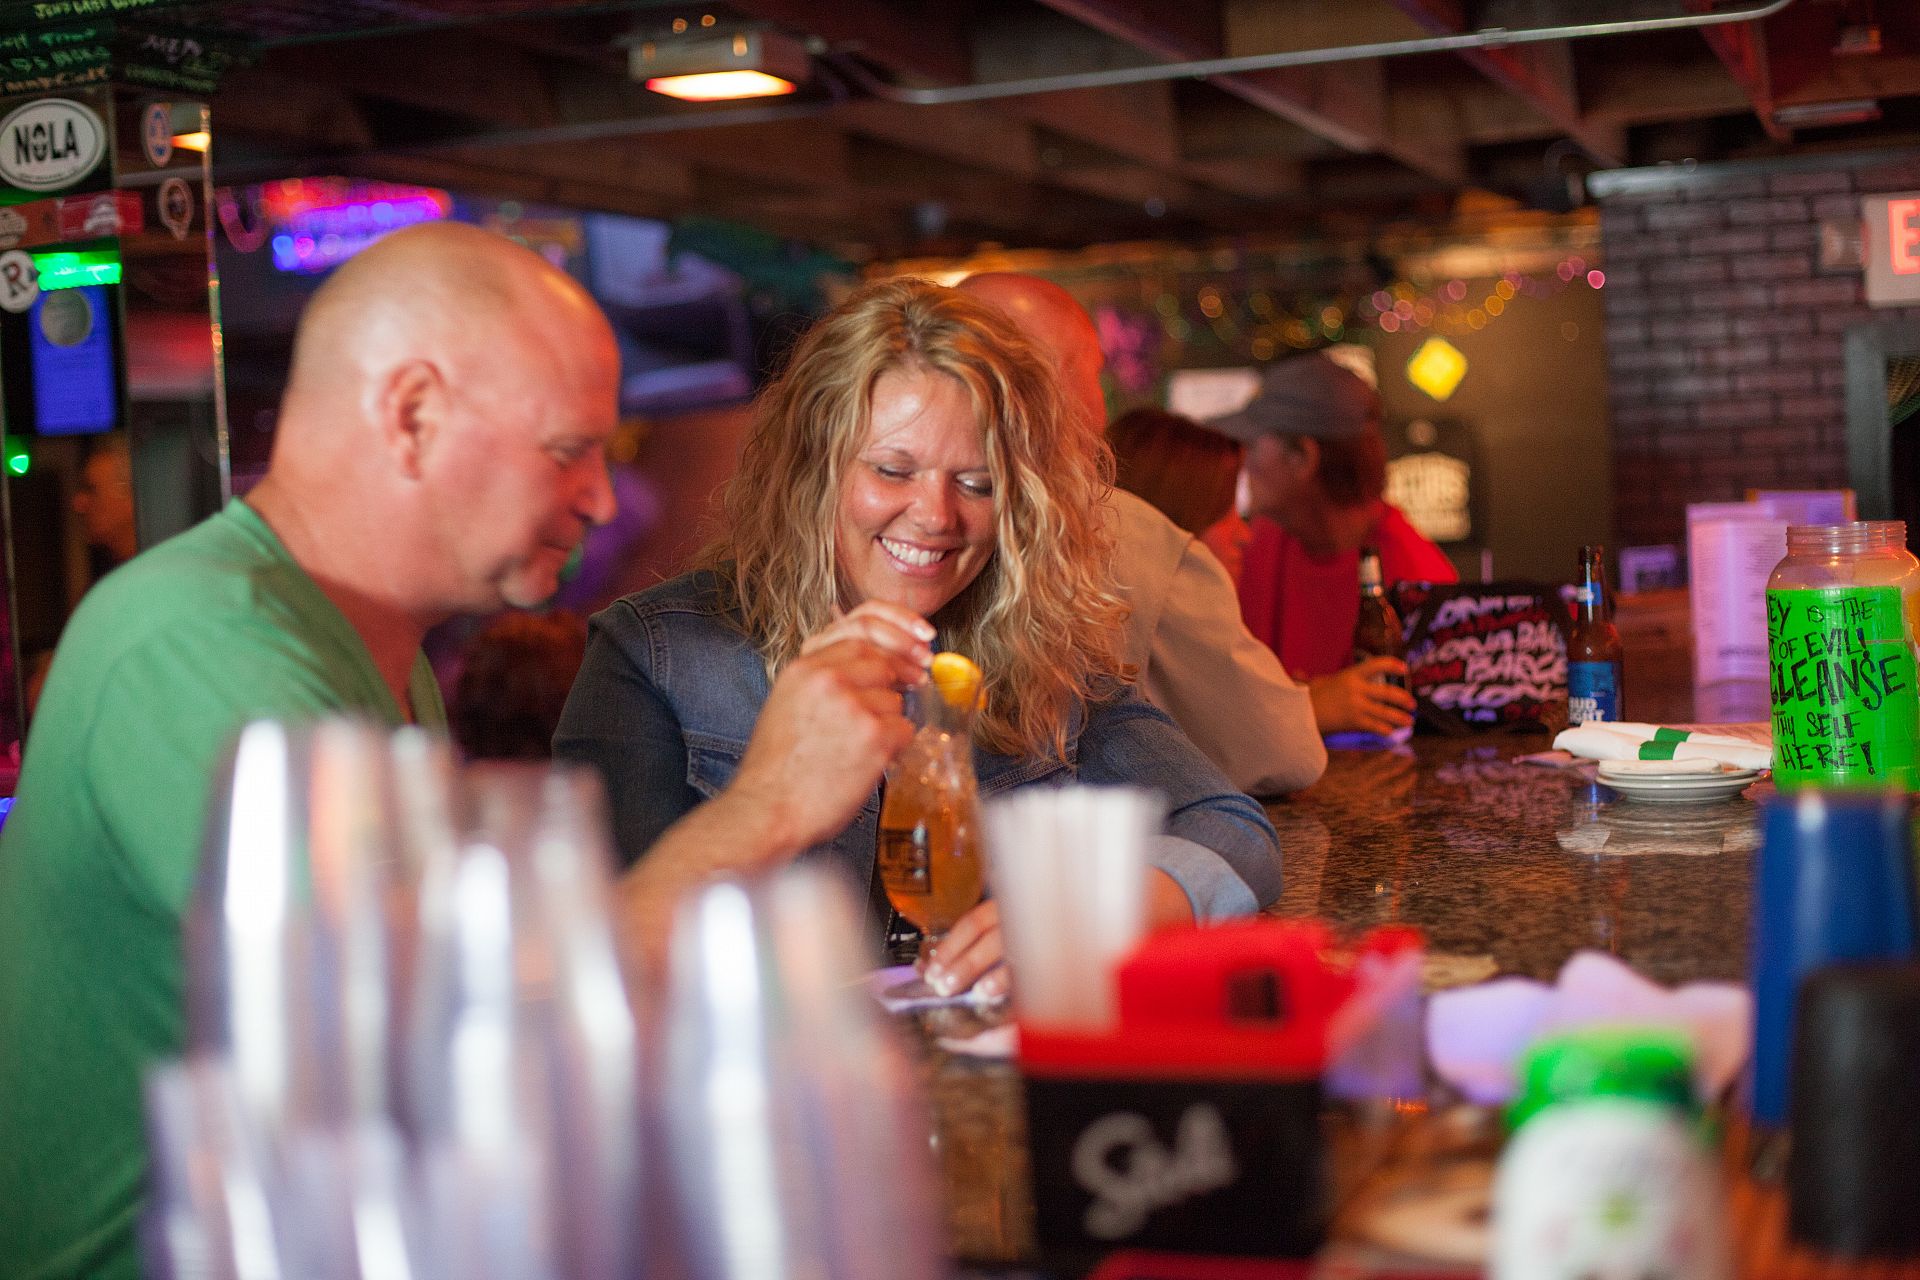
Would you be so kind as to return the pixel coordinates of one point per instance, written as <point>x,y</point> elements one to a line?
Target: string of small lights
<point>1261,321</point>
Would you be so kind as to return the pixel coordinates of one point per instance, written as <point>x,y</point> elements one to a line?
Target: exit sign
<point>1893,249</point>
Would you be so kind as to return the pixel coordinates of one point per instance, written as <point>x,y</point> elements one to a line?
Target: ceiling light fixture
<point>711,66</point>
<point>721,86</point>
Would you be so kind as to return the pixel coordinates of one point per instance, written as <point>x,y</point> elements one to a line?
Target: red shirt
<point>1304,609</point>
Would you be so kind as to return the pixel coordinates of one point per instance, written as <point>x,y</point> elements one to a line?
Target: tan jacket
<point>1198,662</point>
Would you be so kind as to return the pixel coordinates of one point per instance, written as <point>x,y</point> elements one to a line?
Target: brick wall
<point>1725,340</point>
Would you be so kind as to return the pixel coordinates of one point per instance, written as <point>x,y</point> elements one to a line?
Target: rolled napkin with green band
<point>1730,735</point>
<point>1597,740</point>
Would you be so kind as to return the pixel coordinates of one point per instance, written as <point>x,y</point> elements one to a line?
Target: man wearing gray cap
<point>1315,469</point>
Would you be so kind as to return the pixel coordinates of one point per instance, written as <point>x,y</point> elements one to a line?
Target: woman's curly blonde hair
<point>1043,618</point>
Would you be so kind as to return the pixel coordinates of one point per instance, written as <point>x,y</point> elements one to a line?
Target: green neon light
<point>18,461</point>
<point>71,269</point>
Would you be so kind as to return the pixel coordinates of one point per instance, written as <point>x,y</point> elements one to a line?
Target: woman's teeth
<point>912,555</point>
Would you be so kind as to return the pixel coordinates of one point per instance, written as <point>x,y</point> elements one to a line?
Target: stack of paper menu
<point>1732,548</point>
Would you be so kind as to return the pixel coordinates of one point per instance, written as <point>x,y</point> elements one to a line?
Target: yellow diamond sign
<point>1437,367</point>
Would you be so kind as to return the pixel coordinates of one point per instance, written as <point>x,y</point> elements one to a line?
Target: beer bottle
<point>1376,632</point>
<point>1594,681</point>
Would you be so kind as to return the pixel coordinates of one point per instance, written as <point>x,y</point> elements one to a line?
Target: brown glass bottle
<point>1595,684</point>
<point>1376,632</point>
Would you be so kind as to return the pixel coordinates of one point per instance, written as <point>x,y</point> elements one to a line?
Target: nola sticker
<point>1846,710</point>
<point>50,144</point>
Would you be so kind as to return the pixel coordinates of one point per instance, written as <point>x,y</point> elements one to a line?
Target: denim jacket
<point>671,687</point>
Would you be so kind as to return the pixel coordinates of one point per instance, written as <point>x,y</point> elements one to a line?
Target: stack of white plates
<point>1690,782</point>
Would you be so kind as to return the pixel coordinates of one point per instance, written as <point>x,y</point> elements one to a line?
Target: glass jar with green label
<point>1842,610</point>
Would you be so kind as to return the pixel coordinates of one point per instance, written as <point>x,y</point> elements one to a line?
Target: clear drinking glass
<point>929,855</point>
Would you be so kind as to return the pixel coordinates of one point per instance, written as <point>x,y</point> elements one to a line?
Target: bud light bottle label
<point>1593,691</point>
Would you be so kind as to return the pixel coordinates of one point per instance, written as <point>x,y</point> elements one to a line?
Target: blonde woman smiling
<point>908,482</point>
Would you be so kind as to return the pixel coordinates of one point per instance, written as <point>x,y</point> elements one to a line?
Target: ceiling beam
<point>1219,126</point>
<point>1252,178</point>
<point>1345,104</point>
<point>1803,68</point>
<point>1541,75</point>
<point>906,177</point>
<point>962,132</point>
<point>575,189</point>
<point>258,104</point>
<point>432,72</point>
<point>1142,122</point>
<point>1642,89</point>
<point>1079,174</point>
<point>1274,26</point>
<point>1135,121</point>
<point>1742,46</point>
<point>797,154</point>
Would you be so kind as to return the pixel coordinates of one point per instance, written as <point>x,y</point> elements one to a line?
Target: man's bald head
<point>452,392</point>
<point>1053,320</point>
<point>469,299</point>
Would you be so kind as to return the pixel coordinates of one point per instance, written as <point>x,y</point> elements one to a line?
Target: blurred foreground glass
<point>929,854</point>
<point>1833,881</point>
<point>798,1144</point>
<point>522,1053</point>
<point>1069,869</point>
<point>302,915</point>
<point>207,1210</point>
<point>407,1025</point>
<point>1855,1157</point>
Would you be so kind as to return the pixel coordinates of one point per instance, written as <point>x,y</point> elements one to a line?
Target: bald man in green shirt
<point>440,450</point>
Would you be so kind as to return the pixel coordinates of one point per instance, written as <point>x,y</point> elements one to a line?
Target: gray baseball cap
<point>1304,395</point>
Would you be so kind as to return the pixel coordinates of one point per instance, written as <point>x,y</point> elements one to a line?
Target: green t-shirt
<point>161,664</point>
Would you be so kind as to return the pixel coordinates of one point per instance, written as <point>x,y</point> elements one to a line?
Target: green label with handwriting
<point>1846,711</point>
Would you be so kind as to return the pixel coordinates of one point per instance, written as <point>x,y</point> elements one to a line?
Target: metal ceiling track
<point>1486,38</point>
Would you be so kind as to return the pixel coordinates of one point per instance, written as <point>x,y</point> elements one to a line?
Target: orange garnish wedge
<point>956,677</point>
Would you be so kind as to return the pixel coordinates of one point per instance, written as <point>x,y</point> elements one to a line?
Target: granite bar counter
<point>1512,867</point>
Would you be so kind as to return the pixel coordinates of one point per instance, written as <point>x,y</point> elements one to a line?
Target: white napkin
<point>899,989</point>
<point>1476,1035</point>
<point>1001,1042</point>
<point>1599,740</point>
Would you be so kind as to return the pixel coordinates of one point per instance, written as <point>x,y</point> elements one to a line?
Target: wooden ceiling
<point>534,101</point>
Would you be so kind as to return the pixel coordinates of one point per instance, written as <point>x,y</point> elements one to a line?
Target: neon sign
<point>318,223</point>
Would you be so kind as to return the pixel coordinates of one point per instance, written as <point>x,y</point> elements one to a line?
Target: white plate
<point>1682,786</point>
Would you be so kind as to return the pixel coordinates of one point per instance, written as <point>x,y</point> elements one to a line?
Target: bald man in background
<point>440,450</point>
<point>1195,657</point>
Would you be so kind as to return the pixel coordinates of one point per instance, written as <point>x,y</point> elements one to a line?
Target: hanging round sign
<point>19,280</point>
<point>51,144</point>
<point>176,206</point>
<point>156,133</point>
